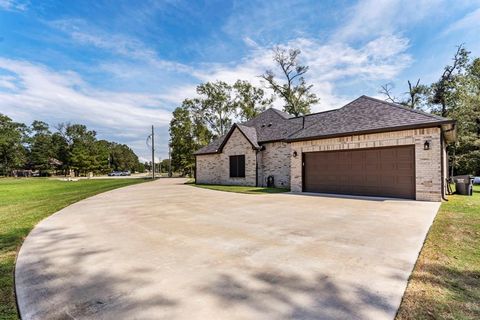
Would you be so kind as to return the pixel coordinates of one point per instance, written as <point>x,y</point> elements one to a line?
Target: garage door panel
<point>372,180</point>
<point>386,172</point>
<point>357,166</point>
<point>387,153</point>
<point>356,180</point>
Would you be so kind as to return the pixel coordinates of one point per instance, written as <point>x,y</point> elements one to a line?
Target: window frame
<point>235,166</point>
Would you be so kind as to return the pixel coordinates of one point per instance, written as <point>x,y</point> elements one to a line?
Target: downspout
<point>195,170</point>
<point>256,167</point>
<point>442,142</point>
<point>451,171</point>
<point>257,151</point>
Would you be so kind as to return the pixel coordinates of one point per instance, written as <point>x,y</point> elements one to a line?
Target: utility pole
<point>153,154</point>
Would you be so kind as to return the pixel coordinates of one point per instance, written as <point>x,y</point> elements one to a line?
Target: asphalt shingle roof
<point>212,147</point>
<point>250,133</point>
<point>274,125</point>
<point>361,115</point>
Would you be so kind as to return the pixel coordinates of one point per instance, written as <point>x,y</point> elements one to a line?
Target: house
<point>368,147</point>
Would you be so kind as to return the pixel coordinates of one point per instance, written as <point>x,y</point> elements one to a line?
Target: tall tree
<point>60,150</point>
<point>249,100</point>
<point>82,156</point>
<point>416,96</point>
<point>464,106</point>
<point>12,150</point>
<point>42,151</point>
<point>181,140</point>
<point>122,157</point>
<point>164,165</point>
<point>201,133</point>
<point>215,106</point>
<point>443,91</point>
<point>294,91</point>
<point>103,151</point>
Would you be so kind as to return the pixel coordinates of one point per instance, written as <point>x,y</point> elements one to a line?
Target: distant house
<point>367,147</point>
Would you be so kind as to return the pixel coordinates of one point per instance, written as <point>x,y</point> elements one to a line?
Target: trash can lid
<point>463,178</point>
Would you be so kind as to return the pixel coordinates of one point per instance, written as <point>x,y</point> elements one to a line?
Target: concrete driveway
<point>164,250</point>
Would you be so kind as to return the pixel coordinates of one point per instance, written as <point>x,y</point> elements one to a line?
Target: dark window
<point>237,166</point>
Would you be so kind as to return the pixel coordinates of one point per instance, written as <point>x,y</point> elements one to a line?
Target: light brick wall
<point>215,168</point>
<point>445,167</point>
<point>275,161</point>
<point>208,169</point>
<point>427,162</point>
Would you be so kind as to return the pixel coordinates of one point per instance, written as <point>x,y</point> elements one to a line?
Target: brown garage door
<point>385,172</point>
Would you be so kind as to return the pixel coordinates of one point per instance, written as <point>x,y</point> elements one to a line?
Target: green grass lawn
<point>445,283</point>
<point>238,189</point>
<point>23,203</point>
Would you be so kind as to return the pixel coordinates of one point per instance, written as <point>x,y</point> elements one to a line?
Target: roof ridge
<point>402,107</point>
<point>280,113</point>
<point>315,113</point>
<point>275,111</point>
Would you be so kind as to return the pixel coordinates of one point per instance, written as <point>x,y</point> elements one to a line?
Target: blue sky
<point>120,66</point>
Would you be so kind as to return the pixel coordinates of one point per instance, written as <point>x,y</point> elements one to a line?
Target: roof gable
<point>248,132</point>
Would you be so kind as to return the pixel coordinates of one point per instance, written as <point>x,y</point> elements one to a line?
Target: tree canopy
<point>13,137</point>
<point>70,147</point>
<point>294,90</point>
<point>455,95</point>
<point>210,115</point>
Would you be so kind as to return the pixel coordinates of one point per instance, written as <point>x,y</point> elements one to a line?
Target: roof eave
<point>205,154</point>
<point>387,129</point>
<point>449,131</point>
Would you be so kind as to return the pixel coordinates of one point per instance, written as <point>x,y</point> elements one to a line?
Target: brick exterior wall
<point>428,164</point>
<point>275,161</point>
<point>215,168</point>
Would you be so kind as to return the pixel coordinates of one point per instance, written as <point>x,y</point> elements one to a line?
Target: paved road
<point>164,250</point>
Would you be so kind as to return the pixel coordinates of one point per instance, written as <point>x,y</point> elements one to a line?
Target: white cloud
<point>8,82</point>
<point>127,47</point>
<point>43,94</point>
<point>13,5</point>
<point>383,57</point>
<point>471,21</point>
<point>330,63</point>
<point>370,18</point>
<point>151,85</point>
<point>34,91</point>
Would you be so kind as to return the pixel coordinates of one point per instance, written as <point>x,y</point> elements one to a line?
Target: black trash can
<point>463,185</point>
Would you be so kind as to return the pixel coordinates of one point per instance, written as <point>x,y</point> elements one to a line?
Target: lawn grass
<point>239,189</point>
<point>23,203</point>
<point>445,283</point>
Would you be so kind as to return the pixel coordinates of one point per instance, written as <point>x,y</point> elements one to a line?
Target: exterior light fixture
<point>426,145</point>
<point>295,154</point>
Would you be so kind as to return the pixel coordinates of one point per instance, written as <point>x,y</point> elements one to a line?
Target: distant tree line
<point>160,167</point>
<point>456,95</point>
<point>69,148</point>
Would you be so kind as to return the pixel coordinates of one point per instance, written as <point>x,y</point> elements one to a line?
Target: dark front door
<point>384,172</point>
